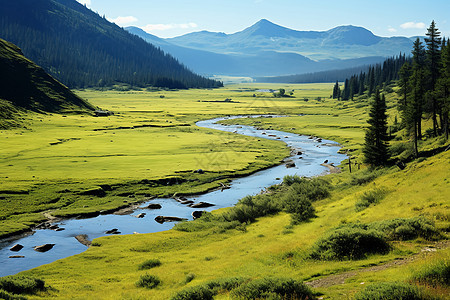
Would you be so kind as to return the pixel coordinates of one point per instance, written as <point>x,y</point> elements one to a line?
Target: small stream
<point>314,153</point>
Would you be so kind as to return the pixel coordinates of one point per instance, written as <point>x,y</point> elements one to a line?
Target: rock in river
<point>83,239</point>
<point>201,205</point>
<point>154,206</point>
<point>162,219</point>
<point>44,248</point>
<point>197,214</point>
<point>16,248</point>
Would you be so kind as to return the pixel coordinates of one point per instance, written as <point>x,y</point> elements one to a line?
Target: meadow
<point>56,163</point>
<point>121,154</point>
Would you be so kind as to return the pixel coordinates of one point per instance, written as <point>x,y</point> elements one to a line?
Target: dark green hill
<point>26,85</point>
<point>82,49</point>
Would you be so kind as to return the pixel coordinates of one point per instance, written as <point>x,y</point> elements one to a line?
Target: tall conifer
<point>376,139</point>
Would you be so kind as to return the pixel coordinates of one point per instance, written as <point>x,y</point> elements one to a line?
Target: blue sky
<point>171,18</point>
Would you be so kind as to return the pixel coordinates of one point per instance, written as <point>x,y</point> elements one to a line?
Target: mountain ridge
<point>341,42</point>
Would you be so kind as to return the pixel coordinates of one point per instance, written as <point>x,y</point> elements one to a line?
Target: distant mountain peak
<point>350,34</point>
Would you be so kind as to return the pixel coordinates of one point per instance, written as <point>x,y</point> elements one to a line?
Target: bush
<point>148,281</point>
<point>365,176</point>
<point>313,188</point>
<point>272,288</point>
<point>226,284</point>
<point>437,273</point>
<point>21,284</point>
<point>392,291</point>
<point>7,296</point>
<point>194,293</point>
<point>407,229</point>
<point>151,263</point>
<point>299,206</point>
<point>370,197</point>
<point>189,277</point>
<point>349,242</point>
<point>251,207</point>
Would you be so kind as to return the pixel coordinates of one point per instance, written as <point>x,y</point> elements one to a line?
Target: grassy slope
<point>27,85</point>
<point>266,248</point>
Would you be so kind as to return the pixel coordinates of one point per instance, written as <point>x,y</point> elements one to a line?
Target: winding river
<point>314,153</point>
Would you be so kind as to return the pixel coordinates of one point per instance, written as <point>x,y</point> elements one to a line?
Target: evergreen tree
<point>433,42</point>
<point>376,139</point>
<point>336,90</point>
<point>404,73</point>
<point>443,87</point>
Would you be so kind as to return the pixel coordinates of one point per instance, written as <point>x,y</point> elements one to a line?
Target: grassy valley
<point>195,258</point>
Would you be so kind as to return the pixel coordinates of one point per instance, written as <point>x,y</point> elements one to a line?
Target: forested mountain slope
<point>82,49</point>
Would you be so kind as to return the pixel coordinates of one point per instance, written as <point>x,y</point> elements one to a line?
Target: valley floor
<point>269,247</point>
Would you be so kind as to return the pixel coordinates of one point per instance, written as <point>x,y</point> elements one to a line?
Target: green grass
<point>259,250</point>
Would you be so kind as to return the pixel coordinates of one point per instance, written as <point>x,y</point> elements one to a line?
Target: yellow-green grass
<point>110,269</point>
<point>267,247</point>
<point>52,159</point>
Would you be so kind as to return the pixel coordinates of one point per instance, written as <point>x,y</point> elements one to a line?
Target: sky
<point>170,18</point>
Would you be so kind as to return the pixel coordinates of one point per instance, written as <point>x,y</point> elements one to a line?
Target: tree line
<point>376,76</point>
<point>424,89</point>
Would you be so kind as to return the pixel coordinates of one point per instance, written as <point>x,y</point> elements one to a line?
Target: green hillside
<point>25,85</point>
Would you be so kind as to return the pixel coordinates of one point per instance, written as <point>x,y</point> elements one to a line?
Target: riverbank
<point>270,247</point>
<point>308,164</point>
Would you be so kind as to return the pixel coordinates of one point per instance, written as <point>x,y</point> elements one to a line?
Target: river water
<point>314,153</point>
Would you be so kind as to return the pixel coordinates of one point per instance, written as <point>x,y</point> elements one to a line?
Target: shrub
<point>349,242</point>
<point>437,273</point>
<point>148,281</point>
<point>398,148</point>
<point>365,176</point>
<point>189,277</point>
<point>272,288</point>
<point>299,206</point>
<point>313,188</point>
<point>7,296</point>
<point>151,263</point>
<point>392,291</point>
<point>407,229</point>
<point>251,207</point>
<point>194,293</point>
<point>225,284</point>
<point>370,197</point>
<point>21,284</point>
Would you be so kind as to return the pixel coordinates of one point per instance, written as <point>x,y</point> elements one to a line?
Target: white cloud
<point>413,25</point>
<point>87,2</point>
<point>124,20</point>
<point>392,29</point>
<point>162,27</point>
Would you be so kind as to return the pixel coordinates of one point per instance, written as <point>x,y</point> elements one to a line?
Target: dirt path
<point>342,277</point>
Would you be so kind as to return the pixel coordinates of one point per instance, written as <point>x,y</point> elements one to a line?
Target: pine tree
<point>336,90</point>
<point>417,84</point>
<point>443,87</point>
<point>433,42</point>
<point>376,139</point>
